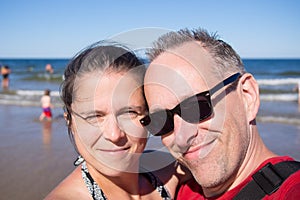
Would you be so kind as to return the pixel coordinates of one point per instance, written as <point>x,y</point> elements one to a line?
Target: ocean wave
<point>44,77</point>
<point>279,89</point>
<point>28,98</point>
<point>285,81</point>
<point>279,97</point>
<point>279,119</point>
<point>289,73</point>
<point>35,92</point>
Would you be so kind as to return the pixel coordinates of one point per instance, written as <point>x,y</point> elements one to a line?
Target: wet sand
<point>36,156</point>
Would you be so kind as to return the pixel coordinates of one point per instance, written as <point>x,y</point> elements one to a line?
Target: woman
<point>104,101</point>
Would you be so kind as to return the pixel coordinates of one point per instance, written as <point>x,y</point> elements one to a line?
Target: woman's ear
<point>67,118</point>
<point>69,123</point>
<point>250,92</point>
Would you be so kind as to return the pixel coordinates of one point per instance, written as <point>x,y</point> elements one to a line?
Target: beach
<point>36,156</point>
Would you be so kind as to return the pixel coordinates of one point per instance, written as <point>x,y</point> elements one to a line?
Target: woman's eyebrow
<point>92,112</point>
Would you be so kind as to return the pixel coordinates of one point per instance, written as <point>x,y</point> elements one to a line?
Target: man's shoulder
<point>290,189</point>
<point>190,189</point>
<point>193,189</point>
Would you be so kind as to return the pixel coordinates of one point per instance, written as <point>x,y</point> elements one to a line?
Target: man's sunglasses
<point>194,109</point>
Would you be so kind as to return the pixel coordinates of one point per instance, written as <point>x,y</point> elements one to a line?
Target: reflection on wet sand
<point>47,131</point>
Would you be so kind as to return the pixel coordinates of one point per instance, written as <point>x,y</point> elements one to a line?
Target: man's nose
<point>185,133</point>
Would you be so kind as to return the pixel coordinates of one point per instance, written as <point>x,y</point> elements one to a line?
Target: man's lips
<point>195,151</point>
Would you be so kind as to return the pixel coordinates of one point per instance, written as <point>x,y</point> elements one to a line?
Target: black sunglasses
<point>193,110</point>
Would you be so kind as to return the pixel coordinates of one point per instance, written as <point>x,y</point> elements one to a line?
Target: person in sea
<point>104,101</point>
<point>5,71</point>
<point>204,104</point>
<point>46,106</point>
<point>49,69</point>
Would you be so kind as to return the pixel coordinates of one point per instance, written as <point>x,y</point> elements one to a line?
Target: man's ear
<point>250,92</point>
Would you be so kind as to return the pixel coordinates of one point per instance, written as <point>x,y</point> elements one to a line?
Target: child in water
<point>46,105</point>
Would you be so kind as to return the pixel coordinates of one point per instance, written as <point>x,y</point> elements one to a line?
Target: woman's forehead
<point>113,88</point>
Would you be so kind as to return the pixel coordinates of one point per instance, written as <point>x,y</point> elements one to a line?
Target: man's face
<point>214,148</point>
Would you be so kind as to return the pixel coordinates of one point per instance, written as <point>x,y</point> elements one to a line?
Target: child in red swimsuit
<point>46,105</point>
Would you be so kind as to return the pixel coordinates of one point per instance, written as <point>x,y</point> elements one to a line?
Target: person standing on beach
<point>46,106</point>
<point>5,71</point>
<point>204,105</point>
<point>104,101</point>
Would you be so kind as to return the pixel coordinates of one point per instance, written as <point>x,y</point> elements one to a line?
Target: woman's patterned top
<point>98,194</point>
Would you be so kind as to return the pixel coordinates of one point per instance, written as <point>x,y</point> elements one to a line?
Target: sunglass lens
<point>196,109</point>
<point>205,110</point>
<point>159,123</point>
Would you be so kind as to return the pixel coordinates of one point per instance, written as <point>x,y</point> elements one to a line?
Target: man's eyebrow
<point>178,101</point>
<point>130,108</point>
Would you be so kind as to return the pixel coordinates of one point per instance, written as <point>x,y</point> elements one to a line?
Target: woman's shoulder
<point>163,165</point>
<point>165,168</point>
<point>72,187</point>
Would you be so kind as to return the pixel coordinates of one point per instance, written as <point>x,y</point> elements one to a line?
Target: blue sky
<point>60,28</point>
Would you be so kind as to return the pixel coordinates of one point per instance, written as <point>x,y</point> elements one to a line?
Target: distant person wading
<point>5,71</point>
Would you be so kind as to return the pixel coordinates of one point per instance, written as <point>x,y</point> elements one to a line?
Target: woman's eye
<point>129,114</point>
<point>132,112</point>
<point>94,118</point>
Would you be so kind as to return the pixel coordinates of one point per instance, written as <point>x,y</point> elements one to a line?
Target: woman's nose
<point>111,130</point>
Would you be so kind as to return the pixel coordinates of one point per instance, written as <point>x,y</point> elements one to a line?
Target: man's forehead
<point>191,52</point>
<point>182,66</point>
<point>191,57</point>
<point>166,85</point>
<point>166,78</point>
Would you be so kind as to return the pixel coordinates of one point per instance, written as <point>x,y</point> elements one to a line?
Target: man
<point>203,104</point>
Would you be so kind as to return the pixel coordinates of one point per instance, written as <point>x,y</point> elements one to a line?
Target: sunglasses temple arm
<point>227,81</point>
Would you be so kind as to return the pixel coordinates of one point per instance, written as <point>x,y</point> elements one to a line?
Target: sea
<point>278,80</point>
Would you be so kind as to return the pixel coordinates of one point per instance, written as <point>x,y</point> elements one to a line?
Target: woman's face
<point>106,109</point>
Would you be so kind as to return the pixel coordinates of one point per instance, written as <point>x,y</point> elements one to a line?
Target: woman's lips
<point>114,150</point>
